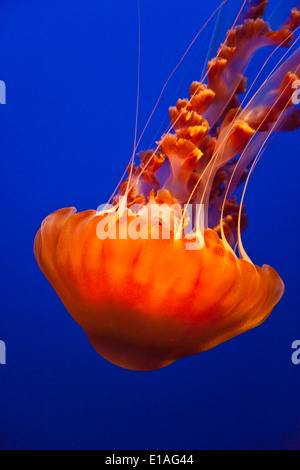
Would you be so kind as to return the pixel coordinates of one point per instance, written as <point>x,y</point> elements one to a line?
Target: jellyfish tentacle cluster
<point>212,129</point>
<point>144,299</point>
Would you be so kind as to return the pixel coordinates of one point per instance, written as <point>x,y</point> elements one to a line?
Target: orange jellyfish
<point>149,290</point>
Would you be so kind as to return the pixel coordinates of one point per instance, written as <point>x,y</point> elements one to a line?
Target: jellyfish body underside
<point>144,305</point>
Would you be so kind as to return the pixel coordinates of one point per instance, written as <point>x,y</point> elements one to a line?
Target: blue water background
<point>66,136</point>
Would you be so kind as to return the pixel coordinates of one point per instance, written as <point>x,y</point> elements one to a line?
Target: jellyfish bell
<point>146,303</point>
<point>149,290</point>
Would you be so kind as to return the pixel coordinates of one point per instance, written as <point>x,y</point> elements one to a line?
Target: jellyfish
<point>145,299</point>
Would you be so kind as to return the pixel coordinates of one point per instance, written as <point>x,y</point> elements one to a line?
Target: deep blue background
<point>66,135</point>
